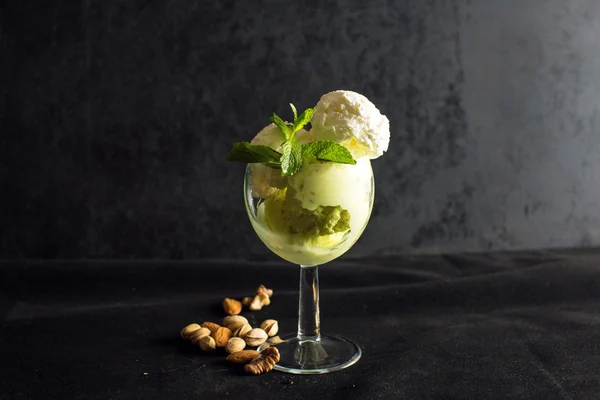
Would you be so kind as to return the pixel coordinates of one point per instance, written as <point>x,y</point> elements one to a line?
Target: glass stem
<point>309,319</point>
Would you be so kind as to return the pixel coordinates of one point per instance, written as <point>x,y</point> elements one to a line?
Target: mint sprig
<point>293,153</point>
<point>294,111</point>
<point>291,159</point>
<point>327,150</point>
<point>254,153</point>
<point>303,119</point>
<point>286,129</point>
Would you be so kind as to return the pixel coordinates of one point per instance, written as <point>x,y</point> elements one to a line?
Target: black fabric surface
<point>491,326</point>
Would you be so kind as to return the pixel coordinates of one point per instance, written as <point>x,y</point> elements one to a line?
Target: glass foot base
<point>329,354</point>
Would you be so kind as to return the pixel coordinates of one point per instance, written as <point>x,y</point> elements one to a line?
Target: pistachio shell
<point>195,337</point>
<point>242,330</point>
<point>234,345</point>
<point>256,337</point>
<point>191,328</point>
<point>270,326</point>
<point>207,343</point>
<point>234,321</point>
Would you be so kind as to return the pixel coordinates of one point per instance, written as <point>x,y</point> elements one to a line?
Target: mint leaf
<point>303,119</point>
<point>291,159</point>
<point>285,128</point>
<point>327,150</point>
<point>293,153</point>
<point>294,111</point>
<point>251,153</point>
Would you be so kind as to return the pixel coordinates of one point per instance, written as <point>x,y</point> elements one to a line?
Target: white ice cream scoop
<point>350,119</point>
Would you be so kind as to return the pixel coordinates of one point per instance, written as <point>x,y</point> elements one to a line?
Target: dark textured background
<point>492,326</point>
<point>116,117</point>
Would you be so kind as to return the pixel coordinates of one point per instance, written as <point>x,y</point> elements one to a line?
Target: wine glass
<point>310,218</point>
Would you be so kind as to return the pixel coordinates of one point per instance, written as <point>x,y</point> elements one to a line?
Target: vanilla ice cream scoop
<point>350,119</point>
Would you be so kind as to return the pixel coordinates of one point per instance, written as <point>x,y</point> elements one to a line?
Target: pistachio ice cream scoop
<point>321,213</point>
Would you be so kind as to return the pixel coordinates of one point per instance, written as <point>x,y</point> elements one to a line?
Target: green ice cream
<point>285,214</point>
<point>319,215</point>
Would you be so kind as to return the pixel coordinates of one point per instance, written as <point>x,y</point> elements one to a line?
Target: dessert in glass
<point>309,196</point>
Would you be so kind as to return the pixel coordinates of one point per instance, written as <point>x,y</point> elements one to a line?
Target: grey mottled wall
<point>116,117</point>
